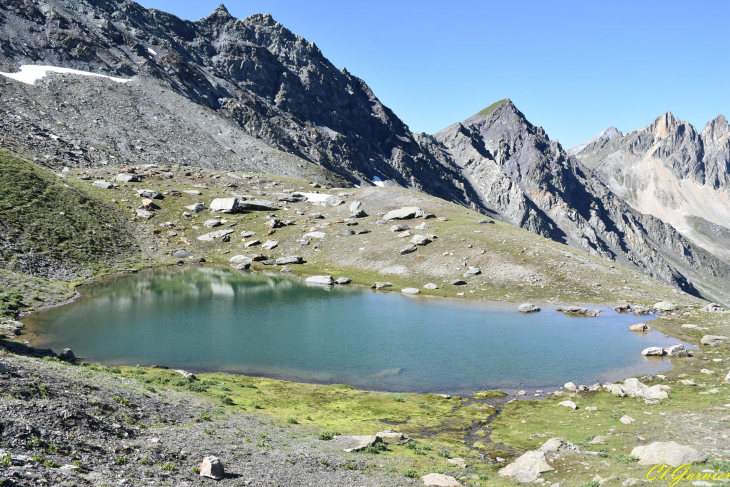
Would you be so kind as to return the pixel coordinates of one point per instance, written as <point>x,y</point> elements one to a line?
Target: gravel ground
<point>70,425</point>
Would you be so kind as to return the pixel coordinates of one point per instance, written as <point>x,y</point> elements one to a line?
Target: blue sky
<point>573,67</point>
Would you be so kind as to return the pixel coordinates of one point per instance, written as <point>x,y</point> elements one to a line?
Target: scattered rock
<point>652,352</point>
<point>127,178</point>
<point>357,443</point>
<point>528,308</point>
<point>713,340</point>
<point>420,240</point>
<point>391,437</point>
<point>665,306</point>
<point>146,214</point>
<point>440,480</point>
<point>404,213</point>
<point>669,453</point>
<point>343,280</point>
<point>430,285</point>
<point>197,207</point>
<point>399,228</point>
<point>67,355</point>
<point>626,419</point>
<point>472,271</point>
<point>243,266</point>
<point>291,259</point>
<point>256,205</point>
<point>212,223</point>
<point>270,244</point>
<point>252,243</point>
<point>643,310</point>
<point>570,387</point>
<point>209,237</point>
<point>527,468</point>
<point>315,235</point>
<point>148,193</point>
<point>459,462</point>
<point>408,249</point>
<point>410,290</point>
<point>182,253</point>
<point>3,368</point>
<point>211,468</point>
<point>640,327</point>
<point>676,351</point>
<point>568,404</point>
<point>104,185</point>
<point>322,280</point>
<point>381,285</point>
<point>224,205</point>
<point>713,308</point>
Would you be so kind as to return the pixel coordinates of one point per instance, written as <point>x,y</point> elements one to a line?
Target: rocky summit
<point>250,95</point>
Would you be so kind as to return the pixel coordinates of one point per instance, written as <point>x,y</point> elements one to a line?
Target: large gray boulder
<point>713,340</point>
<point>291,259</point>
<point>209,237</point>
<point>211,468</point>
<point>182,253</point>
<point>665,306</point>
<point>256,205</point>
<point>127,178</point>
<point>197,207</point>
<point>224,205</point>
<point>408,249</point>
<point>240,259</point>
<point>669,453</point>
<point>146,214</point>
<point>149,193</point>
<point>527,468</point>
<point>104,184</point>
<point>528,308</point>
<point>404,213</point>
<point>320,280</point>
<point>472,271</point>
<point>420,240</point>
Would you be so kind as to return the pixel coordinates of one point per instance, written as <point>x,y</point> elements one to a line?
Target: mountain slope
<point>531,182</point>
<point>605,135</point>
<point>671,171</point>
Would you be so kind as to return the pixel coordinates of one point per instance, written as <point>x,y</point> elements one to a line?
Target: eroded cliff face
<point>671,171</point>
<point>250,95</point>
<point>531,182</point>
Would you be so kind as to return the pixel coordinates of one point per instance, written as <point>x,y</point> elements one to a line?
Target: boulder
<point>626,419</point>
<point>3,368</point>
<point>410,290</point>
<point>634,387</point>
<point>247,233</point>
<point>252,243</point>
<point>421,240</point>
<point>146,214</point>
<point>343,280</point>
<point>430,285</point>
<point>713,308</point>
<point>291,259</point>
<point>381,285</point>
<point>665,306</point>
<point>528,308</point>
<point>568,404</point>
<point>459,462</point>
<point>570,387</point>
<point>408,249</point>
<point>197,207</point>
<point>555,445</point>
<point>321,280</point>
<point>472,271</point>
<point>212,223</point>
<point>270,244</point>
<point>127,178</point>
<point>643,310</point>
<point>355,205</point>
<point>224,205</point>
<point>182,253</point>
<point>104,185</point>
<point>527,468</point>
<point>655,392</point>
<point>315,235</point>
<point>640,327</point>
<point>713,340</point>
<point>458,282</point>
<point>676,351</point>
<point>243,266</point>
<point>404,213</point>
<point>358,214</point>
<point>256,205</point>
<point>149,193</point>
<point>399,228</point>
<point>67,355</point>
<point>357,443</point>
<point>615,389</point>
<point>622,308</point>
<point>239,259</point>
<point>653,351</point>
<point>574,310</point>
<point>211,468</point>
<point>209,237</point>
<point>669,453</point>
<point>440,480</point>
<point>393,437</point>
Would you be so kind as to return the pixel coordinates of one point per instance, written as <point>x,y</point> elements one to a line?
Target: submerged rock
<point>640,327</point>
<point>528,308</point>
<point>323,280</point>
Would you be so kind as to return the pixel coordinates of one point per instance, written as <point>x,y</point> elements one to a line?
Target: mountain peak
<point>221,13</point>
<point>605,135</point>
<point>663,125</point>
<point>491,108</point>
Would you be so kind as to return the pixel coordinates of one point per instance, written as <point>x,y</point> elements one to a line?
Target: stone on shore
<point>527,468</point>
<point>440,480</point>
<point>430,285</point>
<point>643,310</point>
<point>640,327</point>
<point>381,285</point>
<point>211,468</point>
<point>676,351</point>
<point>653,352</point>
<point>322,280</point>
<point>665,306</point>
<point>343,280</point>
<point>67,355</point>
<point>410,290</point>
<point>669,453</point>
<point>528,308</point>
<point>713,340</point>
<point>291,259</point>
<point>570,387</point>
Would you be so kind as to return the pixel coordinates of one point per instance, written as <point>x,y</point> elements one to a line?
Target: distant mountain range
<point>250,95</point>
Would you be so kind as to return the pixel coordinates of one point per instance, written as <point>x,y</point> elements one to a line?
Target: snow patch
<point>378,182</point>
<point>30,73</point>
<point>315,197</point>
<point>151,51</point>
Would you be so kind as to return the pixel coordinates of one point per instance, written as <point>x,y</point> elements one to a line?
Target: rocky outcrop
<point>528,180</point>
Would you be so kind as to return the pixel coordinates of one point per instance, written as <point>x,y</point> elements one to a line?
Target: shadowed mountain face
<point>671,171</point>
<point>250,95</point>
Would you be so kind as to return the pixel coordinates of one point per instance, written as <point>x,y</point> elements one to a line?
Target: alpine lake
<point>212,319</point>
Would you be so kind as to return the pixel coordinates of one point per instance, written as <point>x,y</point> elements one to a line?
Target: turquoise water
<point>215,319</point>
